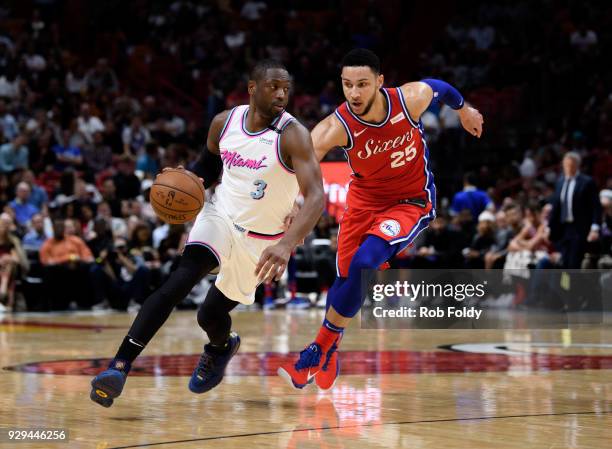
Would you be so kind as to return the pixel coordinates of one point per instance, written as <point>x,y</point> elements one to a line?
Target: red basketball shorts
<point>398,225</point>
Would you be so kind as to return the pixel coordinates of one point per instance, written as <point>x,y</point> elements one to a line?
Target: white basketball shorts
<point>236,249</point>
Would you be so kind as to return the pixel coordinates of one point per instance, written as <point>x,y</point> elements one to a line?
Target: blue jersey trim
<point>419,227</point>
<point>429,187</point>
<point>375,125</point>
<point>404,107</point>
<point>351,143</point>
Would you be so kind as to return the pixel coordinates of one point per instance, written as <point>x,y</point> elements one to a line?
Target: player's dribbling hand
<point>178,167</point>
<point>272,262</point>
<point>471,120</point>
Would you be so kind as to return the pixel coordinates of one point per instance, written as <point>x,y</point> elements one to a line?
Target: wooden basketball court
<point>409,389</point>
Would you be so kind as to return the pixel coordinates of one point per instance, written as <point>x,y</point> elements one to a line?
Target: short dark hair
<point>361,57</point>
<point>259,70</point>
<point>511,206</point>
<point>470,178</point>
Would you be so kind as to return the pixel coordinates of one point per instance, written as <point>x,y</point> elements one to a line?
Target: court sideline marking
<point>276,432</point>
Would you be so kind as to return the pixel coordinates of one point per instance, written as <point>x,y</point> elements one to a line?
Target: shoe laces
<point>205,364</point>
<point>331,351</point>
<point>328,356</point>
<point>311,356</point>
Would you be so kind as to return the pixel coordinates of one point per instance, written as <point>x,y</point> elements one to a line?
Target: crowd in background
<point>97,97</point>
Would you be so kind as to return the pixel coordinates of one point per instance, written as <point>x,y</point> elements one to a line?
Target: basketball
<point>177,195</point>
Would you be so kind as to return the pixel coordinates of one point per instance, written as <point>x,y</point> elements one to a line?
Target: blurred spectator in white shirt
<point>583,39</point>
<point>252,10</point>
<point>89,124</point>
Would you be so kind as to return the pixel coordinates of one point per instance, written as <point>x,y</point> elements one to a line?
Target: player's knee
<point>206,317</point>
<point>197,261</point>
<point>371,254</point>
<point>194,264</point>
<point>212,315</point>
<point>210,318</point>
<point>180,283</point>
<point>364,260</point>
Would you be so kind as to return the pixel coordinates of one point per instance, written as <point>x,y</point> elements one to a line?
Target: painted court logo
<point>390,228</point>
<point>456,358</point>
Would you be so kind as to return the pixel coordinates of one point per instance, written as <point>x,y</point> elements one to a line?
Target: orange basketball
<point>177,196</point>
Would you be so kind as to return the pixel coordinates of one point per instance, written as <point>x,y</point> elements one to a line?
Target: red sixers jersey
<point>390,160</point>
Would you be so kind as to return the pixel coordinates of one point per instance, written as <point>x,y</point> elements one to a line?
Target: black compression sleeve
<point>208,166</point>
<point>195,263</point>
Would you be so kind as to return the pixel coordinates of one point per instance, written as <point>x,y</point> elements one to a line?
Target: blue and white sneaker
<point>269,303</point>
<point>108,385</point>
<point>211,367</point>
<point>322,300</point>
<point>299,303</point>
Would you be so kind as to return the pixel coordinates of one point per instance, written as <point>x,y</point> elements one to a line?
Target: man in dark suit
<point>576,213</point>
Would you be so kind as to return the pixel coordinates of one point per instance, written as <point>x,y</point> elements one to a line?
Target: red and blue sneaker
<point>327,376</point>
<point>108,385</point>
<point>302,372</point>
<point>211,367</point>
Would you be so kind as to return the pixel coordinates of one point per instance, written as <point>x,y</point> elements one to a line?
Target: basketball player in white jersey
<point>267,157</point>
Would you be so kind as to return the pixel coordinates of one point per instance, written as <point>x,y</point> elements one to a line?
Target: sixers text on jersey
<point>390,159</point>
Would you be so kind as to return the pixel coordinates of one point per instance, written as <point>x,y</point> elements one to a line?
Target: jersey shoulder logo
<point>397,118</point>
<point>357,134</point>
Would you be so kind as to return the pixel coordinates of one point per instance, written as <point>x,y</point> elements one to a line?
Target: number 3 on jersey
<point>400,158</point>
<point>261,186</point>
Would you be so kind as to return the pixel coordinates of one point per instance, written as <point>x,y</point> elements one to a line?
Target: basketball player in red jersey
<point>391,197</point>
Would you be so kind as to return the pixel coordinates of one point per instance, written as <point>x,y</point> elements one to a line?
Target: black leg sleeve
<point>214,316</point>
<point>195,263</point>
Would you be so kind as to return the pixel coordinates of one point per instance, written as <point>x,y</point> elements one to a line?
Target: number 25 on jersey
<point>399,158</point>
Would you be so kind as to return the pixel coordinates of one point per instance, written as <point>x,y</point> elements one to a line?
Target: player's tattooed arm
<point>419,95</point>
<point>327,135</point>
<point>296,144</point>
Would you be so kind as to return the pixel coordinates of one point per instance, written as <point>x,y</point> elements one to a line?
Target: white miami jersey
<point>257,189</point>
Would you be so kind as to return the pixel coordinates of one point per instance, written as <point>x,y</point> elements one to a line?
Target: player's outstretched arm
<point>327,135</point>
<point>296,143</point>
<point>420,94</point>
